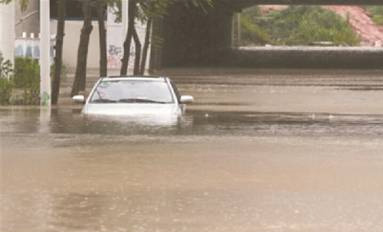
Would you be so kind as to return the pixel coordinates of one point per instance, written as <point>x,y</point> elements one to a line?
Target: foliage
<point>64,71</point>
<point>145,10</point>
<point>5,91</point>
<point>23,87</point>
<point>252,33</point>
<point>23,3</point>
<point>26,74</point>
<point>376,13</point>
<point>5,82</point>
<point>27,78</point>
<point>298,25</point>
<point>27,71</point>
<point>5,67</point>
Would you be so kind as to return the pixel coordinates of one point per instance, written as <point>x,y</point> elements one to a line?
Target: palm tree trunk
<point>129,36</point>
<point>146,45</point>
<point>102,37</point>
<point>59,51</point>
<point>137,58</point>
<point>82,53</point>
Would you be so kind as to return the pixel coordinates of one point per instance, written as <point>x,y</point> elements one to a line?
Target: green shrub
<point>5,91</point>
<point>27,77</point>
<point>5,67</point>
<point>252,34</point>
<point>376,13</point>
<point>298,25</point>
<point>64,71</point>
<point>304,25</point>
<point>21,86</point>
<point>5,82</point>
<point>27,72</point>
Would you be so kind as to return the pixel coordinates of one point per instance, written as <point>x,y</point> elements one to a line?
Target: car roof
<point>139,78</point>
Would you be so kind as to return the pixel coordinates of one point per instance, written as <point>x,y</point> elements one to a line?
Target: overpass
<point>247,3</point>
<point>191,36</point>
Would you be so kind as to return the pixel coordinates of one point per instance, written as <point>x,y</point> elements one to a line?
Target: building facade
<point>20,32</point>
<point>7,30</point>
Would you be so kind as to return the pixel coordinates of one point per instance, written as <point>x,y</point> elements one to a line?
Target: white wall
<point>72,40</point>
<point>7,30</point>
<point>27,20</point>
<point>115,38</point>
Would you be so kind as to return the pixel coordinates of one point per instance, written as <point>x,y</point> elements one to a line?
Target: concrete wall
<point>306,57</point>
<point>247,3</point>
<point>192,37</point>
<point>7,30</point>
<point>29,20</point>
<point>115,39</point>
<point>72,40</point>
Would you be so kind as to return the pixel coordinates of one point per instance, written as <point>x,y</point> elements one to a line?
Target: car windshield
<point>132,91</point>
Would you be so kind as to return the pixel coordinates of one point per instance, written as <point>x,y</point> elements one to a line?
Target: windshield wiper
<point>140,100</point>
<point>103,100</point>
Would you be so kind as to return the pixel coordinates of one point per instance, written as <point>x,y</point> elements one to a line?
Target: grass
<point>376,13</point>
<point>296,25</point>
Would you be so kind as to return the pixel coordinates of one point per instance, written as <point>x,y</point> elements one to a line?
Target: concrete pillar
<point>7,30</point>
<point>45,78</point>
<point>124,16</point>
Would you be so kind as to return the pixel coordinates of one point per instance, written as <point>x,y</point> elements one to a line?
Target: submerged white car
<point>134,96</point>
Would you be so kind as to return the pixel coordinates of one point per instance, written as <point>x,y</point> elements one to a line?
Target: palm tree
<point>129,35</point>
<point>82,52</point>
<point>100,7</point>
<point>61,8</point>
<point>150,9</point>
<point>59,44</point>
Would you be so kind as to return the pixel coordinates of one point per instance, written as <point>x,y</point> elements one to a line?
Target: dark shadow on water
<point>198,123</point>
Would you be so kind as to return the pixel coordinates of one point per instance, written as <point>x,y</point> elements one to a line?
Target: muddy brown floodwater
<point>261,150</point>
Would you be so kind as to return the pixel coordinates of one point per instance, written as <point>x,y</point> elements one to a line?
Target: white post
<point>45,78</point>
<point>125,17</point>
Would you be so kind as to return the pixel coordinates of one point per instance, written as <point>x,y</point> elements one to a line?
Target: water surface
<point>260,150</point>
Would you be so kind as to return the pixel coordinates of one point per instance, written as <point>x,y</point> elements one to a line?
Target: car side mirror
<point>186,99</point>
<point>78,99</point>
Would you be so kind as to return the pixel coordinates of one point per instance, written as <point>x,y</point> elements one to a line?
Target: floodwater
<point>260,150</point>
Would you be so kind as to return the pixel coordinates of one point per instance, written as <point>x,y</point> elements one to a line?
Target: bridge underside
<point>191,36</point>
<point>246,3</point>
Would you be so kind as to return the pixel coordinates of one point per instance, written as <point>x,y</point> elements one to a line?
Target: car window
<point>132,91</point>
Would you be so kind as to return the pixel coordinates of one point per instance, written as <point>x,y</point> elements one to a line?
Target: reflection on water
<point>211,171</point>
<point>197,122</point>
